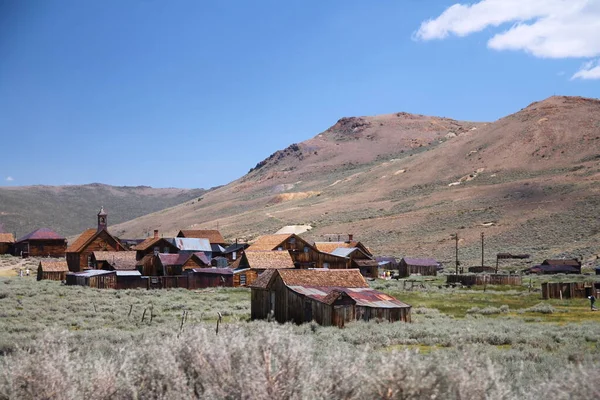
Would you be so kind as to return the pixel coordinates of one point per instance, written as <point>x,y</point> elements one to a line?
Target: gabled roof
<point>217,248</point>
<point>7,238</point>
<point>54,266</point>
<point>173,259</point>
<point>344,251</point>
<point>421,262</point>
<point>269,259</point>
<point>366,263</point>
<point>323,277</point>
<point>41,234</point>
<point>213,235</point>
<point>329,247</point>
<point>149,243</point>
<point>235,247</point>
<point>86,237</point>
<point>202,257</point>
<point>191,244</point>
<point>119,260</point>
<point>268,242</point>
<point>264,279</point>
<point>92,272</point>
<point>562,261</point>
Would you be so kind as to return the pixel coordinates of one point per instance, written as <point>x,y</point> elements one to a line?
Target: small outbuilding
<point>418,266</point>
<point>7,240</point>
<point>54,270</point>
<point>43,242</point>
<point>94,278</point>
<point>329,297</point>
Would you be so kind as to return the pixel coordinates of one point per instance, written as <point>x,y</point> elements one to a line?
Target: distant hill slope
<point>404,183</point>
<point>71,209</point>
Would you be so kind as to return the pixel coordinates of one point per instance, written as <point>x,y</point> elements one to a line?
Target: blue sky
<point>195,93</point>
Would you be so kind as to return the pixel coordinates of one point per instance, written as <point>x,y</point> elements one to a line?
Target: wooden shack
<point>93,278</point>
<point>54,270</point>
<point>43,242</point>
<point>131,280</point>
<point>201,278</point>
<point>7,240</point>
<point>485,279</point>
<point>79,253</point>
<point>358,259</point>
<point>418,266</point>
<point>329,297</point>
<point>569,290</point>
<point>304,254</point>
<point>259,261</point>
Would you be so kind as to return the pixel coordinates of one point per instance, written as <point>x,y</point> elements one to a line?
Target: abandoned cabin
<point>329,297</point>
<point>79,253</point>
<point>556,266</point>
<point>53,270</point>
<point>166,264</point>
<point>7,241</point>
<point>114,260</point>
<point>418,266</point>
<point>43,242</point>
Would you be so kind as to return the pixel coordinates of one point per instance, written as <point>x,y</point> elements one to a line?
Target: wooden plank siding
<point>492,279</point>
<point>102,241</point>
<point>250,276</point>
<point>42,248</point>
<point>568,290</point>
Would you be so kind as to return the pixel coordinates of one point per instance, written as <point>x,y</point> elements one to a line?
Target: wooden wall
<point>568,290</point>
<point>102,242</point>
<point>51,275</point>
<point>407,270</point>
<point>492,279</point>
<point>5,248</point>
<point>251,276</point>
<point>42,248</point>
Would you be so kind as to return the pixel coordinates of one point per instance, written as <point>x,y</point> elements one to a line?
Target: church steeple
<point>102,219</point>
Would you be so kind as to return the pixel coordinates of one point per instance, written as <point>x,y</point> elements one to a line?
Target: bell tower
<point>102,219</point>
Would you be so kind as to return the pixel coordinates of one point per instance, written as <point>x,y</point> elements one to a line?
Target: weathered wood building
<point>570,290</point>
<point>201,278</point>
<point>154,245</point>
<point>171,264</point>
<point>329,297</point>
<point>304,254</point>
<point>54,270</point>
<point>98,279</point>
<point>7,241</point>
<point>79,253</point>
<point>259,261</point>
<point>418,266</point>
<point>42,242</point>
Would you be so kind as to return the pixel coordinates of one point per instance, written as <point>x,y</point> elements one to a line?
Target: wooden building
<point>155,245</point>
<point>79,253</point>
<point>570,290</point>
<point>358,259</point>
<point>114,260</point>
<point>556,266</point>
<point>171,264</point>
<point>131,280</point>
<point>7,241</point>
<point>213,235</point>
<point>54,270</point>
<point>329,297</point>
<point>42,242</point>
<point>418,266</point>
<point>234,251</point>
<point>201,278</point>
<point>94,278</point>
<point>329,247</point>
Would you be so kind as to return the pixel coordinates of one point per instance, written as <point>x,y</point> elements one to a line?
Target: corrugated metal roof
<point>216,271</point>
<point>213,235</point>
<point>173,259</point>
<point>129,273</point>
<point>92,272</point>
<point>42,234</point>
<point>343,251</point>
<point>191,244</point>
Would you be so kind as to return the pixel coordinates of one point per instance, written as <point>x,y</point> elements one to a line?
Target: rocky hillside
<point>404,183</point>
<point>71,209</point>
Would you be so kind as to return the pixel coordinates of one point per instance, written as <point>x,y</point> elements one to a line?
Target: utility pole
<point>482,251</point>
<point>457,262</point>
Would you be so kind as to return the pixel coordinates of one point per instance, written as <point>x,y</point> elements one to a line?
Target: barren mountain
<point>70,209</point>
<point>404,183</point>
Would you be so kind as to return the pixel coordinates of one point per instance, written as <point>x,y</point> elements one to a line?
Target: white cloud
<point>9,179</point>
<point>589,70</point>
<point>544,28</point>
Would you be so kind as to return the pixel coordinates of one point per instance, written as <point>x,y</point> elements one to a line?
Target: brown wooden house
<point>155,245</point>
<point>42,242</point>
<point>7,240</point>
<point>304,254</point>
<point>329,247</point>
<point>213,235</point>
<point>418,266</point>
<point>329,297</point>
<point>53,270</point>
<point>171,264</point>
<point>114,260</point>
<point>98,279</point>
<point>79,253</point>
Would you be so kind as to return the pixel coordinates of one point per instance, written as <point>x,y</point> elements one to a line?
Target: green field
<point>74,342</point>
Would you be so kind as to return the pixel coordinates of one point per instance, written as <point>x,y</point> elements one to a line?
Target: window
<point>166,250</point>
<point>306,249</point>
<point>89,261</point>
<point>242,279</point>
<point>280,248</point>
<point>325,265</point>
<point>234,255</point>
<point>292,240</point>
<point>156,250</point>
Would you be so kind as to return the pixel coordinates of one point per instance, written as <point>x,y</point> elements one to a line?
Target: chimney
<point>156,234</point>
<point>350,236</point>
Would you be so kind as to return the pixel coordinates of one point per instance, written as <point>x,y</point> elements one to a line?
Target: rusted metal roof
<point>421,262</point>
<point>173,259</point>
<point>213,235</point>
<point>7,238</point>
<point>92,272</point>
<point>202,257</point>
<point>54,266</point>
<point>191,244</point>
<point>41,234</point>
<point>365,297</point>
<point>269,259</point>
